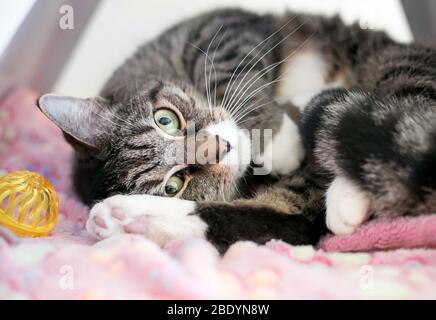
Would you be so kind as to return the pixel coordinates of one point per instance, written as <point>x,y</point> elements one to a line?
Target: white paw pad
<point>347,206</point>
<point>160,219</point>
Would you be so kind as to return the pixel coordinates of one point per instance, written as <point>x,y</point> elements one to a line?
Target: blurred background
<point>72,46</point>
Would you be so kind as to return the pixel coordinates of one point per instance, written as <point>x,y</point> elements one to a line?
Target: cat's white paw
<point>347,206</point>
<point>160,219</point>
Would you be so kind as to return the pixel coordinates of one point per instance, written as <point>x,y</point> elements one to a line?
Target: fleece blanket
<point>383,259</point>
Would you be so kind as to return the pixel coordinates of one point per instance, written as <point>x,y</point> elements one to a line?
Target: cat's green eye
<point>174,185</point>
<point>167,120</point>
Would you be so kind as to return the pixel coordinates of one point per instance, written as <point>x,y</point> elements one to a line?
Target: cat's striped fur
<point>371,142</point>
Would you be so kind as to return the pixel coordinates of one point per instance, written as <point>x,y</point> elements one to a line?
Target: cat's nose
<point>223,147</point>
<point>211,149</point>
<point>217,149</point>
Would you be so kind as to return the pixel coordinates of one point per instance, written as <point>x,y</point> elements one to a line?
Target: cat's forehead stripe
<point>179,93</point>
<point>136,173</point>
<point>154,93</point>
<point>174,98</point>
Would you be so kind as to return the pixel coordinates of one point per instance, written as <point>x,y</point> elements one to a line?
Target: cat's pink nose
<point>211,149</point>
<point>223,147</point>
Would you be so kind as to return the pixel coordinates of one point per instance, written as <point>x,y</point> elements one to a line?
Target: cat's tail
<point>384,147</point>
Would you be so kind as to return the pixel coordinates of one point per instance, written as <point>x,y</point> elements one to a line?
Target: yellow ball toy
<point>29,204</point>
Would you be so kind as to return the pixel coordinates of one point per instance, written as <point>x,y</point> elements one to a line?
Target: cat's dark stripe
<point>223,81</point>
<point>371,140</point>
<point>143,172</point>
<point>131,146</point>
<point>311,122</point>
<point>427,91</point>
<point>407,71</point>
<point>176,99</point>
<point>191,52</point>
<point>154,92</point>
<point>138,132</point>
<point>414,55</point>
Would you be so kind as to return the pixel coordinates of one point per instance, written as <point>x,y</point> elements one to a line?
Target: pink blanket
<point>68,264</point>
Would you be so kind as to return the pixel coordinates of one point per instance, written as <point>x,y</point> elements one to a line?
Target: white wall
<point>119,27</point>
<point>12,14</point>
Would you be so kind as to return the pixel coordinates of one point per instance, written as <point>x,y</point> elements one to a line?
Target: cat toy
<point>29,204</point>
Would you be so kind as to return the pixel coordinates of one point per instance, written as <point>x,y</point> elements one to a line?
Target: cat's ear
<point>81,120</point>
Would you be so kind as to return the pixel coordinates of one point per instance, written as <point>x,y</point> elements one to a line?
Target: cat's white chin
<point>239,156</point>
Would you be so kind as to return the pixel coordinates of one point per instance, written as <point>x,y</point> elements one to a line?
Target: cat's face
<point>165,141</point>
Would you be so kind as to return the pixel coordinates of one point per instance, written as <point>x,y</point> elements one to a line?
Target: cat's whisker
<point>260,59</point>
<point>259,75</point>
<point>231,82</point>
<point>242,120</point>
<point>235,113</point>
<point>267,69</point>
<point>213,66</point>
<point>241,105</point>
<point>250,110</point>
<point>251,95</point>
<point>207,58</point>
<point>242,95</point>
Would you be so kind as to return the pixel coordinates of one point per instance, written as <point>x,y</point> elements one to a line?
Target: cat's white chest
<point>302,77</point>
<point>285,152</point>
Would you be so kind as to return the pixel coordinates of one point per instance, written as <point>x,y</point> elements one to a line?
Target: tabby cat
<point>345,117</point>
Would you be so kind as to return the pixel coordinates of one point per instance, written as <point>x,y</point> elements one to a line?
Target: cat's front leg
<point>160,219</point>
<point>278,214</point>
<point>328,137</point>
